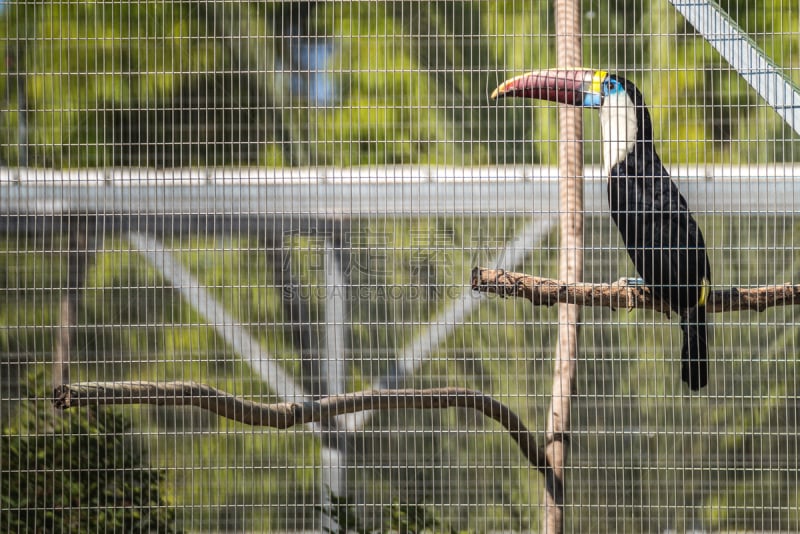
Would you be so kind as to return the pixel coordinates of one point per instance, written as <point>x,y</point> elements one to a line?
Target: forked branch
<point>620,294</point>
<point>286,414</point>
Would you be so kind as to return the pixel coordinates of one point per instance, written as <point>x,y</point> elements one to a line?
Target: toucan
<point>660,233</point>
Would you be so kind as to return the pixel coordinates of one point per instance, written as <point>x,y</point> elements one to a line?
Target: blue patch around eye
<point>592,100</point>
<point>612,87</point>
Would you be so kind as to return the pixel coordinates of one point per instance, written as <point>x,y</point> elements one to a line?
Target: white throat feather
<point>619,129</point>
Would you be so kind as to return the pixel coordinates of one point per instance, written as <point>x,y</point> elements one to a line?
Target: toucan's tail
<point>694,354</point>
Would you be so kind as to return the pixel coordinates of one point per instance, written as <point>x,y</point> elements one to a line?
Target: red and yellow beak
<point>576,87</point>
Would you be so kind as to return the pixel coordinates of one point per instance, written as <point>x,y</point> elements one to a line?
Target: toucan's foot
<point>637,286</point>
<point>634,282</point>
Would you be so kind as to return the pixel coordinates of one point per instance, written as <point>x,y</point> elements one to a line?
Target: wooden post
<point>568,47</point>
<point>77,265</point>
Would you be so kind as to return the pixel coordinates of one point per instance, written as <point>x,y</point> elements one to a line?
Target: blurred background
<point>213,191</point>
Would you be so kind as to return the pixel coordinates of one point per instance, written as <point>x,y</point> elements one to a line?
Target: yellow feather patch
<point>704,292</point>
<point>597,81</point>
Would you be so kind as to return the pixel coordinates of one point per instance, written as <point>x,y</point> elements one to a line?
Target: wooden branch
<point>546,291</point>
<point>78,260</point>
<point>287,414</point>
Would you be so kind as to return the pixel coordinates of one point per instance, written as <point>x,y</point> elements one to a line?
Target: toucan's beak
<point>577,87</point>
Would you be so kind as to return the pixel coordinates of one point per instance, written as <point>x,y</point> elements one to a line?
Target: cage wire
<point>285,201</point>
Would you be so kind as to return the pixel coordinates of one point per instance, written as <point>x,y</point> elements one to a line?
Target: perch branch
<point>546,291</point>
<point>286,414</point>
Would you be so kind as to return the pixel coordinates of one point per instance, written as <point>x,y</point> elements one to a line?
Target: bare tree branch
<point>546,291</point>
<point>287,414</point>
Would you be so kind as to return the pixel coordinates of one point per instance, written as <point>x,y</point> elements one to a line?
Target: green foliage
<point>399,517</point>
<point>193,84</point>
<point>83,472</point>
<point>344,514</point>
<point>646,455</point>
<point>414,518</point>
<point>215,83</point>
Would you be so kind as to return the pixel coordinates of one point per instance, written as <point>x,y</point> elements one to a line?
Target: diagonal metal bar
<point>745,56</point>
<point>418,351</point>
<point>217,317</point>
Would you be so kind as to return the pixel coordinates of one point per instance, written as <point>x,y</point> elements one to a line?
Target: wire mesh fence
<point>286,203</point>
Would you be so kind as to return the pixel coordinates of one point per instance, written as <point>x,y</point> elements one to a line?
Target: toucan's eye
<point>610,86</point>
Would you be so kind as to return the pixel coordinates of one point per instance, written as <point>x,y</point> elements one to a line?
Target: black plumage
<point>663,239</point>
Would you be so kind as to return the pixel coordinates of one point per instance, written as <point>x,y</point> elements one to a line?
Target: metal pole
<point>334,442</point>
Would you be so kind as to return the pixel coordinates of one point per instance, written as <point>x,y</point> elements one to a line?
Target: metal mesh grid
<point>285,201</point>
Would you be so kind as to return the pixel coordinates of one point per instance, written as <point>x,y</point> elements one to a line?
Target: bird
<point>660,234</point>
